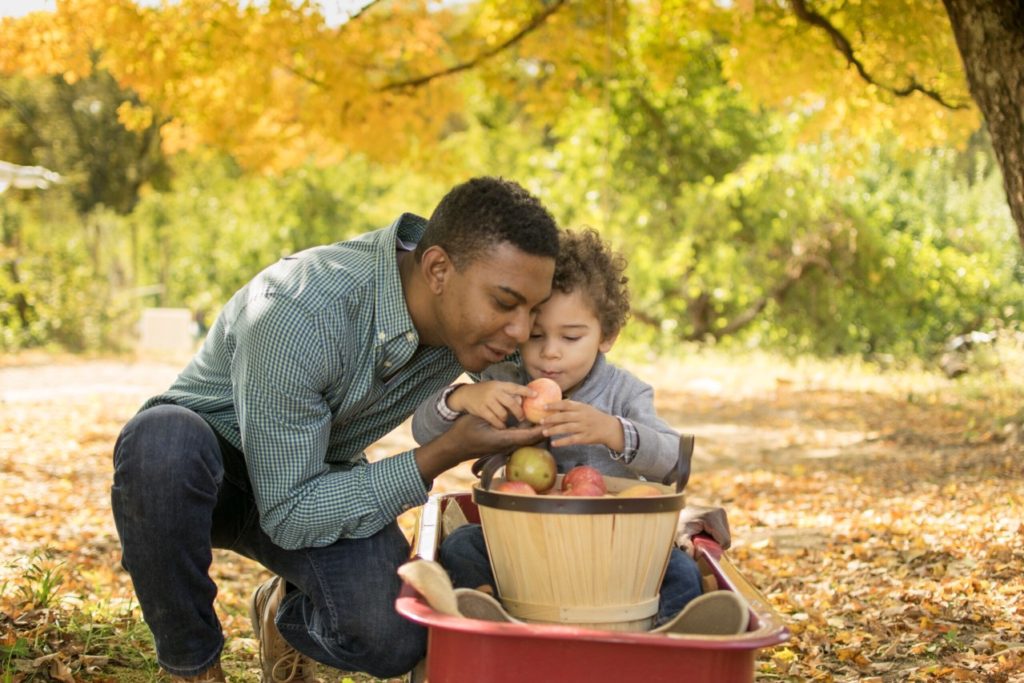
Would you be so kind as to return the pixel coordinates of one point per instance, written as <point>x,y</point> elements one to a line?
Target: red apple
<point>518,487</point>
<point>586,488</point>
<point>581,473</point>
<point>533,465</point>
<point>548,391</point>
<point>640,491</point>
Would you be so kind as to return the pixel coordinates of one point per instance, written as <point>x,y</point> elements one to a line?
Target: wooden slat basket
<point>590,562</point>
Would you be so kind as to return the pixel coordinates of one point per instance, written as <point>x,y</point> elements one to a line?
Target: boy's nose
<point>549,350</point>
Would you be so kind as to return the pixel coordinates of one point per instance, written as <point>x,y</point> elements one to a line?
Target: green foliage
<point>74,128</point>
<point>736,233</point>
<point>219,227</point>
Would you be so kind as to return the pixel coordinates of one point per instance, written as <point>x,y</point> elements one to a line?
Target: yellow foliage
<point>276,84</point>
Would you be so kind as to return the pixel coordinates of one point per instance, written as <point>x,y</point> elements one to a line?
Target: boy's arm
<point>657,444</point>
<point>433,417</point>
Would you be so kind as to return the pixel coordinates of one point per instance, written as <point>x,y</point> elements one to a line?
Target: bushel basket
<point>585,561</point>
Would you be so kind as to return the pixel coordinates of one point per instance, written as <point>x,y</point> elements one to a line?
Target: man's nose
<point>519,326</point>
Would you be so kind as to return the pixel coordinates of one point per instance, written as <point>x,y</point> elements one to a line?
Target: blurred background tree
<point>810,177</point>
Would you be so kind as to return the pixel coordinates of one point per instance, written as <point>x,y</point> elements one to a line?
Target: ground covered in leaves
<point>882,515</point>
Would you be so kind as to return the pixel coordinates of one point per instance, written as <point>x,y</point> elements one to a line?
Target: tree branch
<point>359,12</point>
<point>535,22</point>
<point>844,46</point>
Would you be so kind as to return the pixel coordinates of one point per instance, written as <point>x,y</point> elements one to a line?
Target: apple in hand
<point>518,487</point>
<point>533,465</point>
<point>583,473</point>
<point>586,488</point>
<point>548,391</point>
<point>640,491</point>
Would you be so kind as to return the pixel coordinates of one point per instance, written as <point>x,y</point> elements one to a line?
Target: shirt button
<point>382,335</point>
<point>409,336</point>
<point>387,364</point>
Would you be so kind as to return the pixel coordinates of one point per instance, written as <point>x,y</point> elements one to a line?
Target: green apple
<point>533,465</point>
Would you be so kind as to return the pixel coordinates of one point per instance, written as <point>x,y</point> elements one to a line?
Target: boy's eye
<point>571,339</point>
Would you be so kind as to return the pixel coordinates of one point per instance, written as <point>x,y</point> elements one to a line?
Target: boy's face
<point>564,341</point>
<point>486,308</point>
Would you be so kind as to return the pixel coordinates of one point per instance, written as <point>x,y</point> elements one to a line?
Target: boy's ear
<point>437,267</point>
<point>606,344</point>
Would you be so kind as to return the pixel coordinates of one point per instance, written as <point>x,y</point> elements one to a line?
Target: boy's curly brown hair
<point>588,264</point>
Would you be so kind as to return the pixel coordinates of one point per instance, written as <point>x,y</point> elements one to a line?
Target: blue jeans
<point>179,491</point>
<point>464,555</point>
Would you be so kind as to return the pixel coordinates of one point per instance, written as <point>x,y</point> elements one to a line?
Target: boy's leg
<point>167,475</point>
<point>464,554</point>
<point>339,602</point>
<point>682,583</point>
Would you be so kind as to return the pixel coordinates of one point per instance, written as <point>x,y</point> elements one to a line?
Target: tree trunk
<point>990,36</point>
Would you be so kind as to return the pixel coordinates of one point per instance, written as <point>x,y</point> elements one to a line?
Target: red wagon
<point>464,650</point>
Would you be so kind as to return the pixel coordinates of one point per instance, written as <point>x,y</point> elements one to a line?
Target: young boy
<point>606,418</point>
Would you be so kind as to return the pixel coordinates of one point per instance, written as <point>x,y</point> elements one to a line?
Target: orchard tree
<point>276,84</point>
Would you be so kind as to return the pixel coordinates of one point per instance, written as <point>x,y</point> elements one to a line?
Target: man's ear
<point>437,268</point>
<point>606,344</point>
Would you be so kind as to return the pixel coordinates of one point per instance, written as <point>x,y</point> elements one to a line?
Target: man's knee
<point>165,444</point>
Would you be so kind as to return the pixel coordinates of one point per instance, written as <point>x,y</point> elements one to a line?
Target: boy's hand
<point>574,423</point>
<point>491,400</point>
<point>700,519</point>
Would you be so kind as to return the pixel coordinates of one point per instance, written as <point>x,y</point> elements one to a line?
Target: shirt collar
<point>392,320</point>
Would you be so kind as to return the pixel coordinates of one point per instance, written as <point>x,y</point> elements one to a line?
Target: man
<point>258,445</point>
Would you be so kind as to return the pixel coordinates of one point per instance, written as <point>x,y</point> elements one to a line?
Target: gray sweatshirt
<point>611,390</point>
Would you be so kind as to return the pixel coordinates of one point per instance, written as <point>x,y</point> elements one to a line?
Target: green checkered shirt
<point>307,365</point>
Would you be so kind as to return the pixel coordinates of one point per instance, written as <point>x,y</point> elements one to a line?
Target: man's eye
<point>504,305</point>
<point>535,335</point>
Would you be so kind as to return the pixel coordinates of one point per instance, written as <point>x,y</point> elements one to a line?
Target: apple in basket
<point>640,491</point>
<point>518,487</point>
<point>533,465</point>
<point>548,391</point>
<point>586,488</point>
<point>583,473</point>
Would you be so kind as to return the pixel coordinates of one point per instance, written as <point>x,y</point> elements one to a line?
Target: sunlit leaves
<point>276,84</point>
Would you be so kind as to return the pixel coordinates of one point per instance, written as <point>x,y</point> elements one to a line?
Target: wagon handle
<point>486,467</point>
<point>681,473</point>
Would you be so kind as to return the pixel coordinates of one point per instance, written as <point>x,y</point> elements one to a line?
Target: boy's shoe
<point>280,662</point>
<point>718,613</point>
<point>212,675</point>
<point>476,604</point>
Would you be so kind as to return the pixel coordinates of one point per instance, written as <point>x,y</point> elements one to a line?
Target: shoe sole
<point>718,613</point>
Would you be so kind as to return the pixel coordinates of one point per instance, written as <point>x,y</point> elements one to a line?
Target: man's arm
<point>470,438</point>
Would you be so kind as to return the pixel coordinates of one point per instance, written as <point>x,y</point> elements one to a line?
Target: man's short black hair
<point>481,213</point>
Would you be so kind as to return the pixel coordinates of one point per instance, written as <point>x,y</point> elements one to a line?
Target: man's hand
<point>470,437</point>
<point>491,400</point>
<point>572,422</point>
<point>696,519</point>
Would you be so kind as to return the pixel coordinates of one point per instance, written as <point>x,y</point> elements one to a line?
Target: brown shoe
<point>212,675</point>
<point>280,662</point>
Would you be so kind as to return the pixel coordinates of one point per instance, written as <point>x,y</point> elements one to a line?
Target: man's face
<point>486,308</point>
